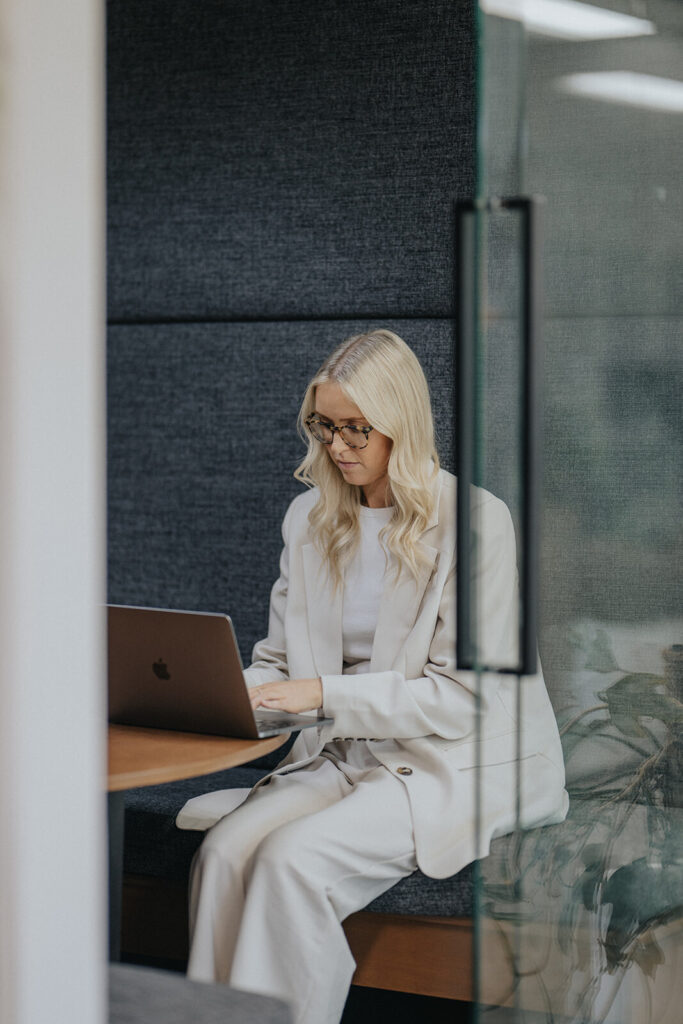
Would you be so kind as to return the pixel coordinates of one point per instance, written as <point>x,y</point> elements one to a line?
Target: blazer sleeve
<point>269,657</point>
<point>443,701</point>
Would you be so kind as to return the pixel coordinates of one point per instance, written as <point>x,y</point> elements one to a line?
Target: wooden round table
<point>148,757</point>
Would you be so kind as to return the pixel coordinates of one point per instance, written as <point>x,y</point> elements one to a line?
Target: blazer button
<point>402,770</point>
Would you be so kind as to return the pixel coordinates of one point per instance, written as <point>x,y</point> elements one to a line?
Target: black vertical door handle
<point>468,221</point>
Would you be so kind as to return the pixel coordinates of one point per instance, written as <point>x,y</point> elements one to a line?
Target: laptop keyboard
<point>273,721</point>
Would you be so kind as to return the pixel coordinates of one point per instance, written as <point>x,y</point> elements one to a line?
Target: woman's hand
<point>294,696</point>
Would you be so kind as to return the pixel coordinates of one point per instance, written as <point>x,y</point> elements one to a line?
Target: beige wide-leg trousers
<point>274,879</point>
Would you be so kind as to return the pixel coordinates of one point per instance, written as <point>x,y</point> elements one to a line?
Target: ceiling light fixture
<point>628,87</point>
<point>569,19</point>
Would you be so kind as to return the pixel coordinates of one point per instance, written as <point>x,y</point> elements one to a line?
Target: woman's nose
<point>338,443</point>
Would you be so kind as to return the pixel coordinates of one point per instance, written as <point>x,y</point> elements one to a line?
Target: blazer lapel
<point>401,600</point>
<point>400,603</point>
<point>324,606</point>
<point>399,606</point>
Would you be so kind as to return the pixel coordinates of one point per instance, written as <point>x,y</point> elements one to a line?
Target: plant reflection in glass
<point>576,905</point>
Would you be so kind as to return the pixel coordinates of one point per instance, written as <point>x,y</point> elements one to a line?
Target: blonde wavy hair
<point>382,376</point>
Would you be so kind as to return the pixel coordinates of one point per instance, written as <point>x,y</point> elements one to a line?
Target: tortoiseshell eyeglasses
<point>354,437</point>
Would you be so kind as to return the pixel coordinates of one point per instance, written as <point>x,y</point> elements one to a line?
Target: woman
<point>362,630</point>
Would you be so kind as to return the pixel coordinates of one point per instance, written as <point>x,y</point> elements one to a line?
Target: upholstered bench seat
<point>156,848</point>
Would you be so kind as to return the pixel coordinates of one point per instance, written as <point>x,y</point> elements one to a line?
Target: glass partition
<point>582,105</point>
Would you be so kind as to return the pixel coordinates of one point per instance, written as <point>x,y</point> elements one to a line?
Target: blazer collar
<point>399,605</point>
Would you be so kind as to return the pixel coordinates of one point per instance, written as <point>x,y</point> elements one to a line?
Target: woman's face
<point>364,467</point>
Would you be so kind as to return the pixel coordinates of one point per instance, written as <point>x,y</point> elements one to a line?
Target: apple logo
<point>160,669</point>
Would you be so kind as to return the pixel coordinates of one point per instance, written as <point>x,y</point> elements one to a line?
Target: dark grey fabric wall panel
<point>202,446</point>
<point>277,158</point>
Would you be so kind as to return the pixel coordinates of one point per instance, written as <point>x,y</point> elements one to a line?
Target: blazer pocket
<point>485,754</point>
<point>491,763</point>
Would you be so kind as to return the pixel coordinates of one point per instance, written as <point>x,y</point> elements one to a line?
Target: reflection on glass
<point>581,921</point>
<point>569,19</point>
<point>630,87</point>
<point>585,912</point>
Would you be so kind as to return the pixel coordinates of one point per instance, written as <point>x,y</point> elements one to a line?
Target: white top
<point>363,586</point>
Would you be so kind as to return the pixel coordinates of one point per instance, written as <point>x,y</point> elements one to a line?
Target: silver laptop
<point>182,670</point>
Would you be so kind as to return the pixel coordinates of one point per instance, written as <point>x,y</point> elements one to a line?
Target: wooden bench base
<point>429,956</point>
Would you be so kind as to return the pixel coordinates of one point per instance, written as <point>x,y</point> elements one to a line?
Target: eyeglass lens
<point>353,438</point>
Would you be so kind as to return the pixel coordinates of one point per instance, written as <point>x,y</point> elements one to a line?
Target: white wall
<point>52,824</point>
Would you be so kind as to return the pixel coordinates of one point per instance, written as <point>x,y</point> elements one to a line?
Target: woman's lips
<point>345,465</point>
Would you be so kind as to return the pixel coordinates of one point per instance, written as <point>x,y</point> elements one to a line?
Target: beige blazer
<point>417,711</point>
